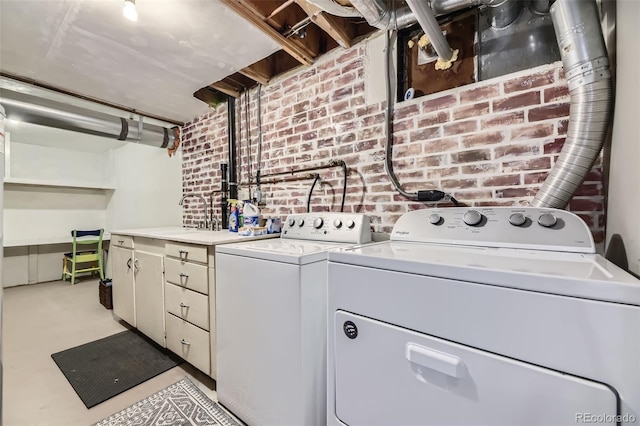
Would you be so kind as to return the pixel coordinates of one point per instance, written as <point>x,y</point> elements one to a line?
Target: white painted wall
<point>623,207</point>
<point>148,188</point>
<point>55,164</point>
<point>33,211</point>
<point>49,211</point>
<point>375,61</point>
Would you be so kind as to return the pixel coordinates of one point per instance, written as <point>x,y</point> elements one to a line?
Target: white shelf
<point>36,241</point>
<point>51,183</point>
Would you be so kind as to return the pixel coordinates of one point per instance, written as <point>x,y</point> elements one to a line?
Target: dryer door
<point>387,375</point>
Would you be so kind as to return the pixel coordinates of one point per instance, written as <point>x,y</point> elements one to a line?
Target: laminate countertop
<point>191,235</point>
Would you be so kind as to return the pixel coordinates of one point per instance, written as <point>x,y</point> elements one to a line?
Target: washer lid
<point>588,276</point>
<point>282,250</point>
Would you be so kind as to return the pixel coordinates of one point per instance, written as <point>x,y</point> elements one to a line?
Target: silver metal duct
<point>443,7</point>
<point>586,67</point>
<point>53,114</point>
<point>380,16</point>
<point>503,13</point>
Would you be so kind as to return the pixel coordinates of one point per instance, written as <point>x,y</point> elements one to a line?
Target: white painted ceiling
<point>153,65</point>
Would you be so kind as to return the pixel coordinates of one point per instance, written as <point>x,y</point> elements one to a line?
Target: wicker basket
<point>106,298</point>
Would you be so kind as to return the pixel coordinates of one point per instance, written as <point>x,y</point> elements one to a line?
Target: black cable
<point>259,113</point>
<point>315,180</point>
<point>344,184</point>
<point>248,134</point>
<point>388,166</point>
<point>432,195</point>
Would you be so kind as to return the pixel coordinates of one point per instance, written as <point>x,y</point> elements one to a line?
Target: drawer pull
<point>184,277</point>
<point>121,242</point>
<point>434,360</point>
<point>184,342</point>
<point>183,305</point>
<point>183,255</point>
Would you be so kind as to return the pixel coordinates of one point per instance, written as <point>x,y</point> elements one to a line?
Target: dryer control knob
<point>351,224</point>
<point>317,223</point>
<point>300,222</point>
<point>472,217</point>
<point>517,219</point>
<point>337,223</point>
<point>547,220</point>
<point>292,221</point>
<point>435,219</point>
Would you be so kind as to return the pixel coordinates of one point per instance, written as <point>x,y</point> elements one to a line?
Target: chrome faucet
<point>204,202</point>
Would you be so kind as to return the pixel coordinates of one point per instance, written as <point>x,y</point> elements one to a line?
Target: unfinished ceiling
<point>152,66</point>
<point>304,29</point>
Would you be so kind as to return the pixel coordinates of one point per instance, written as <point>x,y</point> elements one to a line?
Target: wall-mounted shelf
<point>63,184</point>
<point>54,239</point>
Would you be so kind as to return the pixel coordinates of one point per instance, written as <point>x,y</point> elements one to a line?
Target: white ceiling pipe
<point>431,28</point>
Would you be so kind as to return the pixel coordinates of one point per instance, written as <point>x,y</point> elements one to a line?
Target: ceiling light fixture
<point>129,10</point>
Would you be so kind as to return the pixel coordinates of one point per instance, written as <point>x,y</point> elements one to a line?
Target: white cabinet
<point>187,304</point>
<point>149,295</point>
<point>166,290</point>
<point>122,283</point>
<point>187,297</point>
<point>188,341</point>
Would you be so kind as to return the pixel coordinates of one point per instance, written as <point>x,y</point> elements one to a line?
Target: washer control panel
<point>338,227</point>
<point>517,227</point>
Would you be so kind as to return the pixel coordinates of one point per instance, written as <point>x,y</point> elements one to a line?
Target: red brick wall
<point>490,143</point>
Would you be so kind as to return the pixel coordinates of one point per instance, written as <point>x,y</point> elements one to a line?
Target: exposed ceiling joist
<point>303,30</point>
<point>252,15</point>
<point>337,28</point>
<point>280,8</point>
<point>260,71</point>
<point>227,88</point>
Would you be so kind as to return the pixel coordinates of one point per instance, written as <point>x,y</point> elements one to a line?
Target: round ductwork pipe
<point>34,110</point>
<point>541,7</point>
<point>586,67</point>
<point>503,13</point>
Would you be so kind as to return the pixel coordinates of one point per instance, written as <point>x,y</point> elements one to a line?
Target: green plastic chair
<point>86,249</point>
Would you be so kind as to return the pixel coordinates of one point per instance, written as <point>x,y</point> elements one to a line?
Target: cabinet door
<point>122,278</point>
<point>149,295</point>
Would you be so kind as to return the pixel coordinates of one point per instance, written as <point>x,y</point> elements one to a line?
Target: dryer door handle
<point>432,359</point>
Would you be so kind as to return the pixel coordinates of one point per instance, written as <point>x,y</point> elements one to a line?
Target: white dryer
<point>271,319</point>
<point>489,316</point>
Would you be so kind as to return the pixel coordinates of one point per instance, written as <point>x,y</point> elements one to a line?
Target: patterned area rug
<point>181,404</point>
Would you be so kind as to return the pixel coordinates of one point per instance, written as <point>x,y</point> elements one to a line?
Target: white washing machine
<point>490,316</point>
<point>271,319</point>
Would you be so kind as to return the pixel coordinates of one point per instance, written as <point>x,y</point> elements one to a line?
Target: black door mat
<point>104,368</point>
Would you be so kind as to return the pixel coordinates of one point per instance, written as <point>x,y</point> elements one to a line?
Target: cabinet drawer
<point>188,275</point>
<point>187,304</point>
<point>187,252</point>
<point>188,341</point>
<point>121,241</point>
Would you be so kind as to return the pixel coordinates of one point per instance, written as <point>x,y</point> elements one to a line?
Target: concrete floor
<point>42,319</point>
